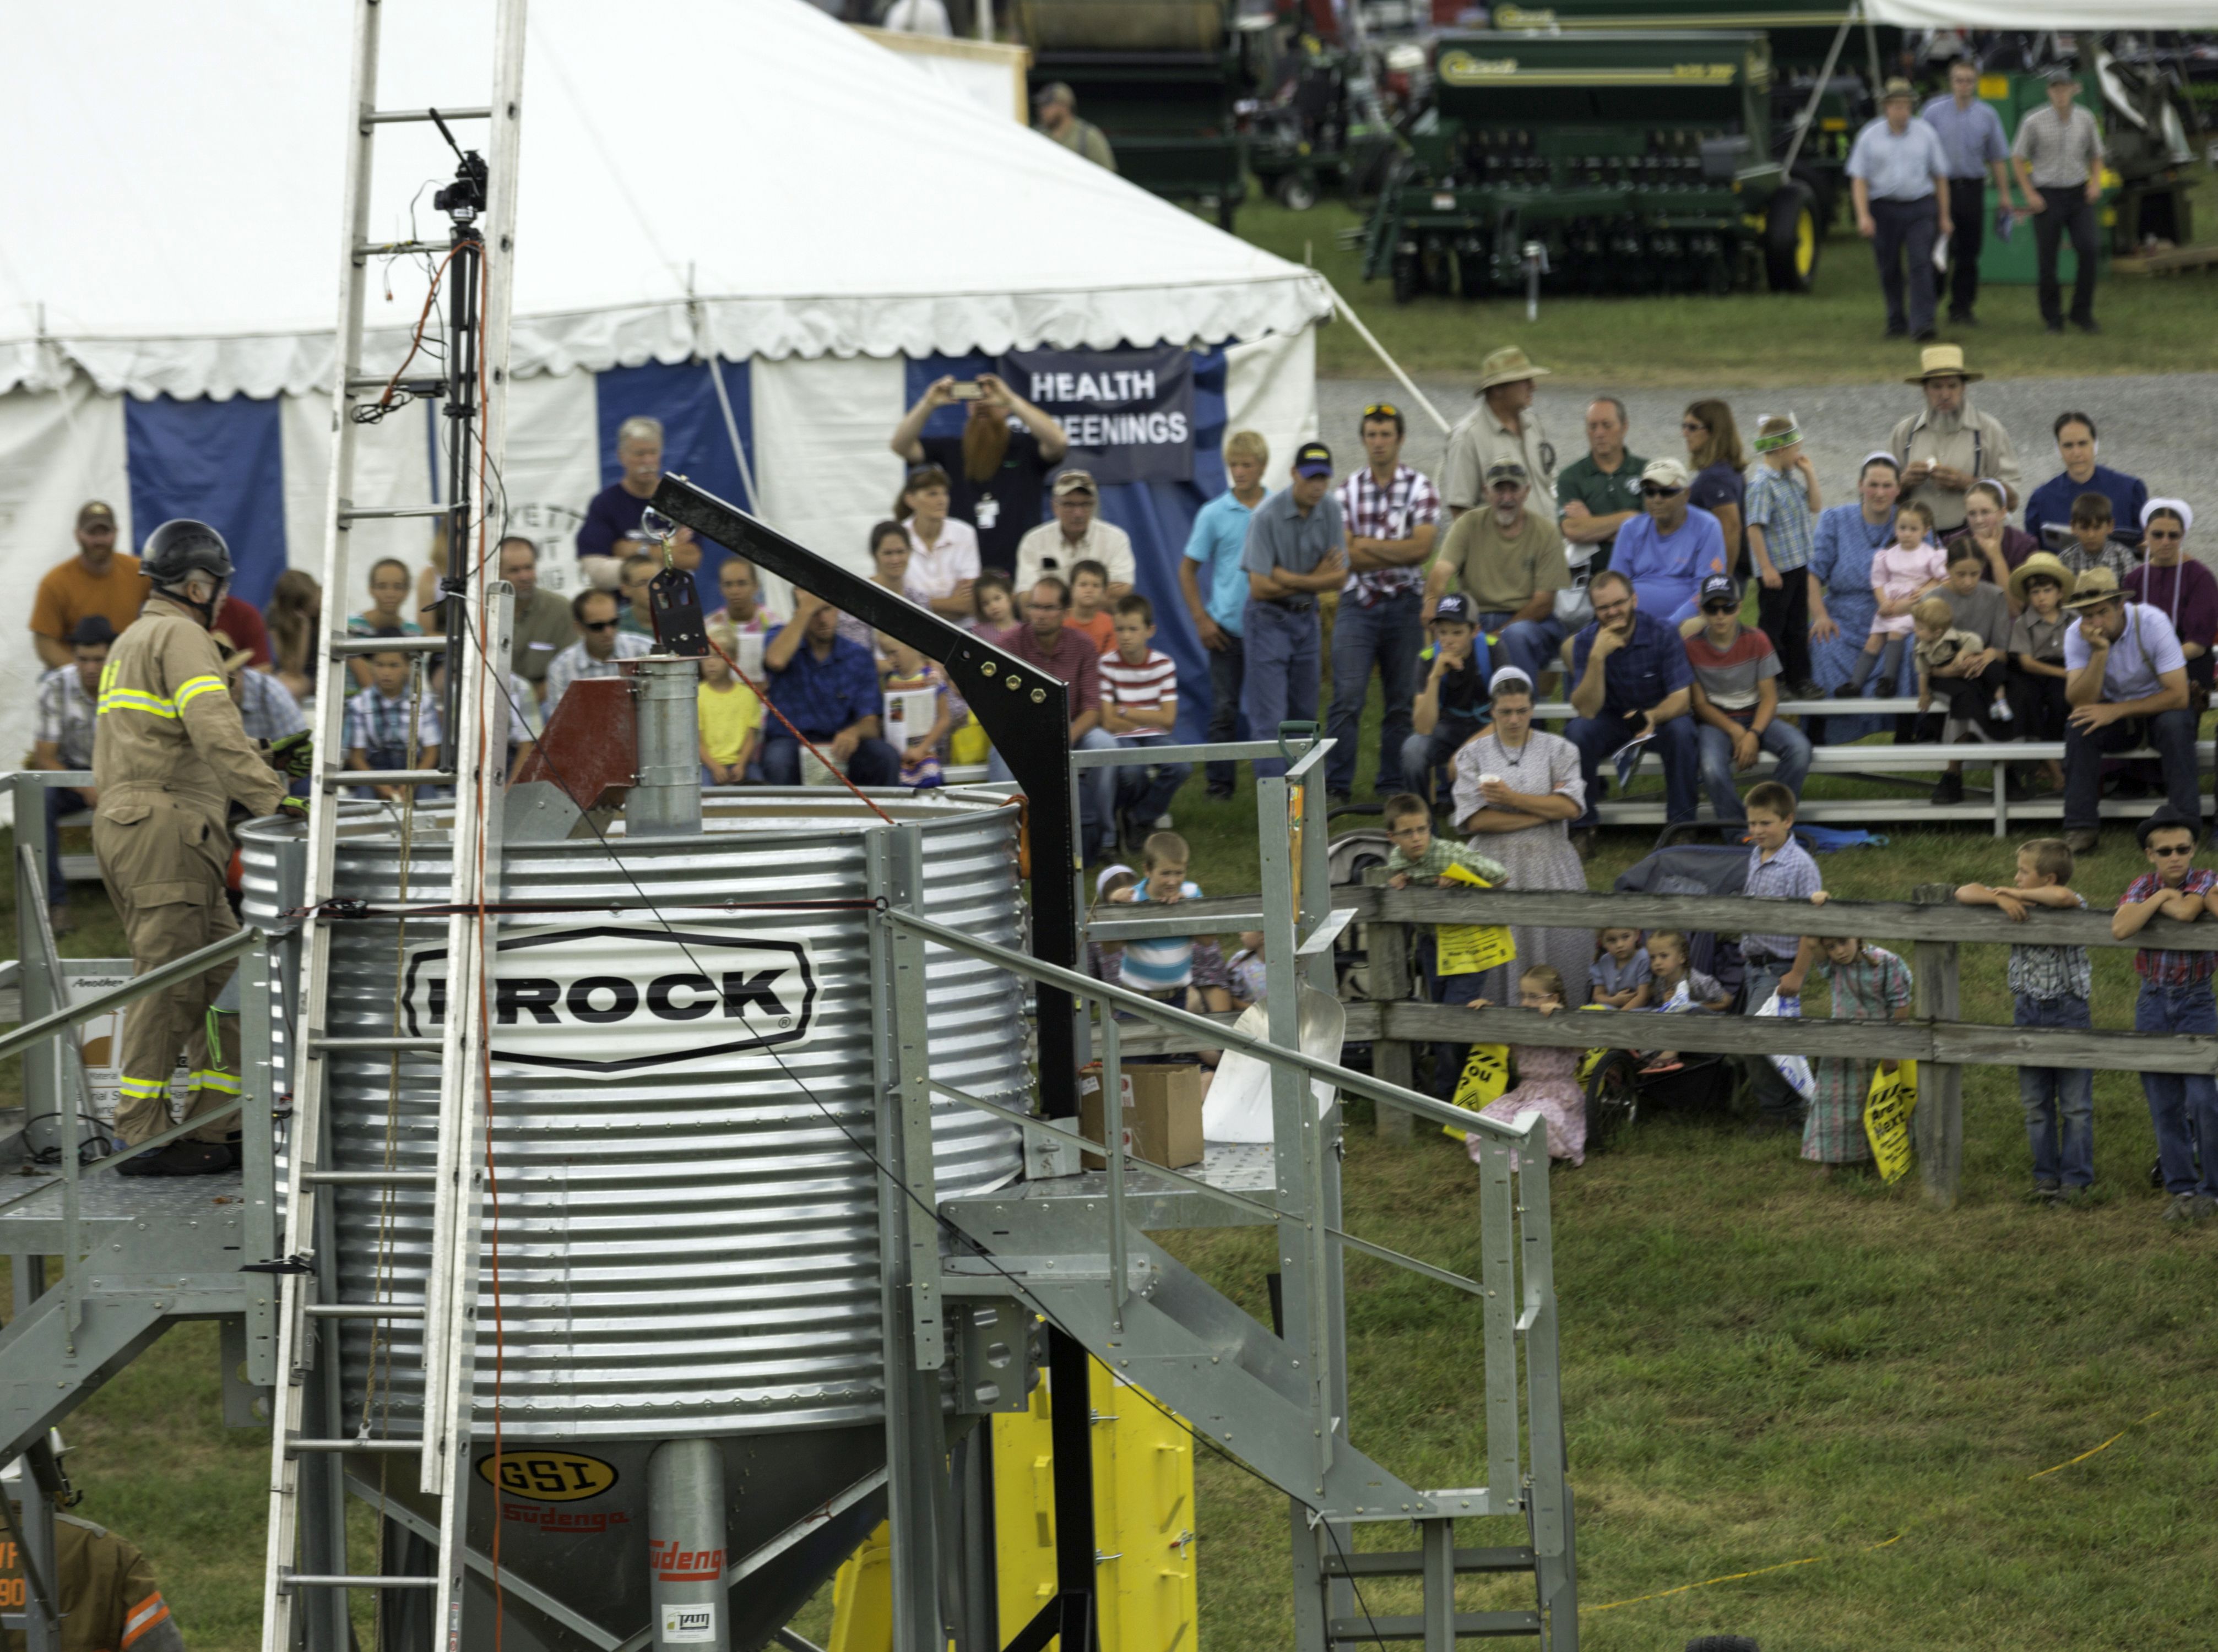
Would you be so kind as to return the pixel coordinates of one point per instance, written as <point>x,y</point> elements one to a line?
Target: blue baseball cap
<point>1313,458</point>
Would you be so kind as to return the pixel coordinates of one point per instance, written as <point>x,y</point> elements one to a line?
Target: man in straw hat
<point>1952,444</point>
<point>1899,177</point>
<point>1504,427</point>
<point>2126,682</point>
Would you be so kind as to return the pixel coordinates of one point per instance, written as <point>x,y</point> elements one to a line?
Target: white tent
<point>742,180</point>
<point>815,196</point>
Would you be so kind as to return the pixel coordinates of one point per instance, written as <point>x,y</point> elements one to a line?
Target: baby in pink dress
<point>1902,573</point>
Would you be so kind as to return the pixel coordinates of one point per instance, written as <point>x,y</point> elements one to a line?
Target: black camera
<point>465,198</point>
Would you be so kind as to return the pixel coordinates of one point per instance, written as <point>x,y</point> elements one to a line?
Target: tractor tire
<point>1409,276</point>
<point>1297,192</point>
<point>1791,233</point>
<point>1613,1101</point>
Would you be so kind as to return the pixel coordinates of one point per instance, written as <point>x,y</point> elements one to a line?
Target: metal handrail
<point>1219,1036</point>
<point>138,986</point>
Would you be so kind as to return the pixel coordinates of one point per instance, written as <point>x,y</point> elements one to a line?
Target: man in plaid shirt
<point>62,740</point>
<point>1392,513</point>
<point>2175,997</point>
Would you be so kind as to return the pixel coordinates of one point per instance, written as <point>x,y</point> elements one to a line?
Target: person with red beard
<point>997,469</point>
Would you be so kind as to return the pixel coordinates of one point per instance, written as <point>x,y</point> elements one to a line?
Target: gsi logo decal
<point>608,999</point>
<point>547,1476</point>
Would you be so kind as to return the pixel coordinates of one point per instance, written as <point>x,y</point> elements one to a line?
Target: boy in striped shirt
<point>1139,706</point>
<point>1161,965</point>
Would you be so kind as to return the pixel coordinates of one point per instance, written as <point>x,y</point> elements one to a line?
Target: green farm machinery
<point>1634,162</point>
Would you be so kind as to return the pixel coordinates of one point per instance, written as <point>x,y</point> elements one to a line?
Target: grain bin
<point>682,1110</point>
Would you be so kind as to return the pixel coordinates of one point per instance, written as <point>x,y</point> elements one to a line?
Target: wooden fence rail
<point>1394,1023</point>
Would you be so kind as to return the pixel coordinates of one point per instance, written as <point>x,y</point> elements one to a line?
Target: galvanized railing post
<point>257,1124</point>
<point>1548,1497</point>
<point>1112,1138</point>
<point>914,1330</point>
<point>1498,1314</point>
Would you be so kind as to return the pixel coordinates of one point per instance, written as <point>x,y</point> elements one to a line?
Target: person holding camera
<point>997,468</point>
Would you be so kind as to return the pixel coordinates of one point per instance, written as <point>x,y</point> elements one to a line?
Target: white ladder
<point>471,756</point>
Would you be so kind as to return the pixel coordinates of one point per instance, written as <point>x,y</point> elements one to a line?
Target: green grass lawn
<point>1748,340</point>
<point>1759,1370</point>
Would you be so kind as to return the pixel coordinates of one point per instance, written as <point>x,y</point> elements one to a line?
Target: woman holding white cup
<point>1519,787</point>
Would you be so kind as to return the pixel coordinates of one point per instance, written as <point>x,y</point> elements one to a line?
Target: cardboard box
<point>1162,1108</point>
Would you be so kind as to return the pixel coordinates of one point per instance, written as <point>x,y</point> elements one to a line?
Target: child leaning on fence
<point>1869,984</point>
<point>1419,853</point>
<point>1547,1078</point>
<point>2049,987</point>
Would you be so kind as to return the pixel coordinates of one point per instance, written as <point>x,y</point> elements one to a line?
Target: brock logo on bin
<point>607,999</point>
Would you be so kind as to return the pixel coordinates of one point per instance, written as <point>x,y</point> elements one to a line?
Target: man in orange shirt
<point>99,580</point>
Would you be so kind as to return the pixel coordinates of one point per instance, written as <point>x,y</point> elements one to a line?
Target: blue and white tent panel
<point>814,433</point>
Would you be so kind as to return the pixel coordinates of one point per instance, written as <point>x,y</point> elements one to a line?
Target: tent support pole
<point>1817,96</point>
<point>1378,349</point>
<point>1871,46</point>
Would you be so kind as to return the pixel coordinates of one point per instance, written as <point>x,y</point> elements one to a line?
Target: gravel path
<point>2164,430</point>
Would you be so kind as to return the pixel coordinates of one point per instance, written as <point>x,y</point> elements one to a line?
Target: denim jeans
<point>1097,791</point>
<point>1226,672</point>
<point>1422,753</point>
<point>2183,1106</point>
<point>1388,633</point>
<point>2173,734</point>
<point>1144,790</point>
<point>1448,1059</point>
<point>2058,1101</point>
<point>874,763</point>
<point>60,800</point>
<point>1782,739</point>
<point>1284,646</point>
<point>1598,740</point>
<point>1533,646</point>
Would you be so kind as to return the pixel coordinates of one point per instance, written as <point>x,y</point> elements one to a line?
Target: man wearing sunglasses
<point>1736,703</point>
<point>1669,548</point>
<point>2175,998</point>
<point>599,646</point>
<point>1391,513</point>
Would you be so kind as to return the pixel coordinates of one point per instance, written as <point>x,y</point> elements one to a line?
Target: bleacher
<point>1913,767</point>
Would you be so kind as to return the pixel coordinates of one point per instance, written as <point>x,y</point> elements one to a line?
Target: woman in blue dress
<point>1842,605</point>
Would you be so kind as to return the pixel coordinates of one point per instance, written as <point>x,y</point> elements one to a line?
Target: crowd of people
<point>1617,581</point>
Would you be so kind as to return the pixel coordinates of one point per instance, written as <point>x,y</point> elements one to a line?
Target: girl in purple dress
<point>1547,1080</point>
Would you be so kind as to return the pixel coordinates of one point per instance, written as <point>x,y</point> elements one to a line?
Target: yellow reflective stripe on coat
<point>193,687</point>
<point>212,1079</point>
<point>131,700</point>
<point>143,1087</point>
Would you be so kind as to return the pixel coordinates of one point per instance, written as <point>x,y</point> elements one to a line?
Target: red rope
<point>763,695</point>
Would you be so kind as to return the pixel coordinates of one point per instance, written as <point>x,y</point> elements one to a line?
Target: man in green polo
<point>1597,495</point>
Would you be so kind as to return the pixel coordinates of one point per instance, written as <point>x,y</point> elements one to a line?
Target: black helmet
<point>182,547</point>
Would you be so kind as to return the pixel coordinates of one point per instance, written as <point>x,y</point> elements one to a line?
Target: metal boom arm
<point>1025,713</point>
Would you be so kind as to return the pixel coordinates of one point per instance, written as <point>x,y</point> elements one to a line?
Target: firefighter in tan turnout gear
<point>169,757</point>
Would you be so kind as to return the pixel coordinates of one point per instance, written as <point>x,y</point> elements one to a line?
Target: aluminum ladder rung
<point>392,513</point>
<point>395,1313</point>
<point>339,779</point>
<point>349,1581</point>
<point>303,1578</point>
<point>1364,1631</point>
<point>378,1044</point>
<point>348,648</point>
<point>389,117</point>
<point>1410,1562</point>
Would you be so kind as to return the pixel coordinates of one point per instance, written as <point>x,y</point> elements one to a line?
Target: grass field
<point>1759,1371</point>
<point>1750,339</point>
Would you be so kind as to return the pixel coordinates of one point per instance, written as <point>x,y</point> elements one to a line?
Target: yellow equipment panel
<point>1143,1521</point>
